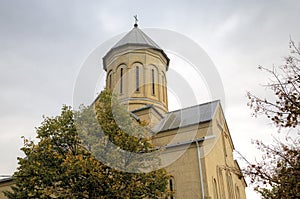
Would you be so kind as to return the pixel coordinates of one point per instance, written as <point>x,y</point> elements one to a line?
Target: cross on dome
<point>136,20</point>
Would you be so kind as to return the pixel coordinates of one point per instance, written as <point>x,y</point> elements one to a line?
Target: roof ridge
<point>136,39</point>
<point>189,116</point>
<point>138,33</point>
<point>195,106</point>
<point>146,37</point>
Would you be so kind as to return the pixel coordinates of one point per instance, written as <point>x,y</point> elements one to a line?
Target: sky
<point>43,45</point>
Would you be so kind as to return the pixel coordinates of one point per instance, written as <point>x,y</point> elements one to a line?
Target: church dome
<point>136,71</point>
<point>135,39</point>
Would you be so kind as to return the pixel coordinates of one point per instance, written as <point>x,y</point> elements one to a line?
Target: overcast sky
<point>43,45</point>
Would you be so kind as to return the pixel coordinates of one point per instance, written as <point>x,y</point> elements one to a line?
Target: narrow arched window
<point>216,194</point>
<point>121,81</point>
<point>221,182</point>
<point>137,78</point>
<point>171,187</point>
<point>110,81</point>
<point>230,186</point>
<point>153,84</point>
<point>163,87</point>
<point>237,191</point>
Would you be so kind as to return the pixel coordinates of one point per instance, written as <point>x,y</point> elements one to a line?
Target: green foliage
<point>59,166</point>
<point>118,140</point>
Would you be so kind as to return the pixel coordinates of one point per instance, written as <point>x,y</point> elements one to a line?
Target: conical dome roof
<point>135,38</point>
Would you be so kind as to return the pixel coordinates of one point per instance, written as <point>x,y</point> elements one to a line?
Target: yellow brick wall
<point>146,60</point>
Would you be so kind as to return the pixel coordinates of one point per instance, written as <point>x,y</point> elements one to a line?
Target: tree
<point>125,143</point>
<point>59,166</point>
<point>285,109</point>
<point>120,141</point>
<point>278,174</point>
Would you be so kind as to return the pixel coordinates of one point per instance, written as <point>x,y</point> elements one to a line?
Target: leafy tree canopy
<point>60,166</point>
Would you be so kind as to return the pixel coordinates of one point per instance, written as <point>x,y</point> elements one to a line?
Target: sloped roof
<point>136,37</point>
<point>188,116</point>
<point>6,179</point>
<point>149,106</point>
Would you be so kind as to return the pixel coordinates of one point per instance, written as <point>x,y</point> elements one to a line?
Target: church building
<point>198,147</point>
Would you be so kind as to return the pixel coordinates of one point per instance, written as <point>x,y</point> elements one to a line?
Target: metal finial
<point>136,20</point>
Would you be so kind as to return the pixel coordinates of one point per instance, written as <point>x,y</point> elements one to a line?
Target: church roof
<point>138,39</point>
<point>189,116</point>
<point>6,179</point>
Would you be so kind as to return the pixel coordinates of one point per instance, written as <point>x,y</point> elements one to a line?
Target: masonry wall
<point>220,173</point>
<point>125,64</point>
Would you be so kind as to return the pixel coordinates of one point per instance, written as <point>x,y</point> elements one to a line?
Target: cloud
<point>44,43</point>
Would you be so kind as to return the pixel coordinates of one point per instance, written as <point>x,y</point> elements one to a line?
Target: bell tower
<point>136,71</point>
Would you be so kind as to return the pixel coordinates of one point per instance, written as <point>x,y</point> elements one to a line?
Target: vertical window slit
<point>137,79</point>
<point>121,81</point>
<point>171,188</point>
<point>153,85</point>
<point>163,88</point>
<point>110,81</point>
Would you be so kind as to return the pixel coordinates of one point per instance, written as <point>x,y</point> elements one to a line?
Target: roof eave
<point>110,52</point>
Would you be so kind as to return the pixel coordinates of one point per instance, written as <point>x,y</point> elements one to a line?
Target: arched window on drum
<point>137,79</point>
<point>109,80</point>
<point>121,80</point>
<point>153,81</point>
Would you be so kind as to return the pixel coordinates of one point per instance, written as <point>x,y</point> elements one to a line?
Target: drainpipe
<point>198,152</point>
<point>200,169</point>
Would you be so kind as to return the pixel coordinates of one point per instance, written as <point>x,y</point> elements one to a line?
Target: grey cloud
<point>44,43</point>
